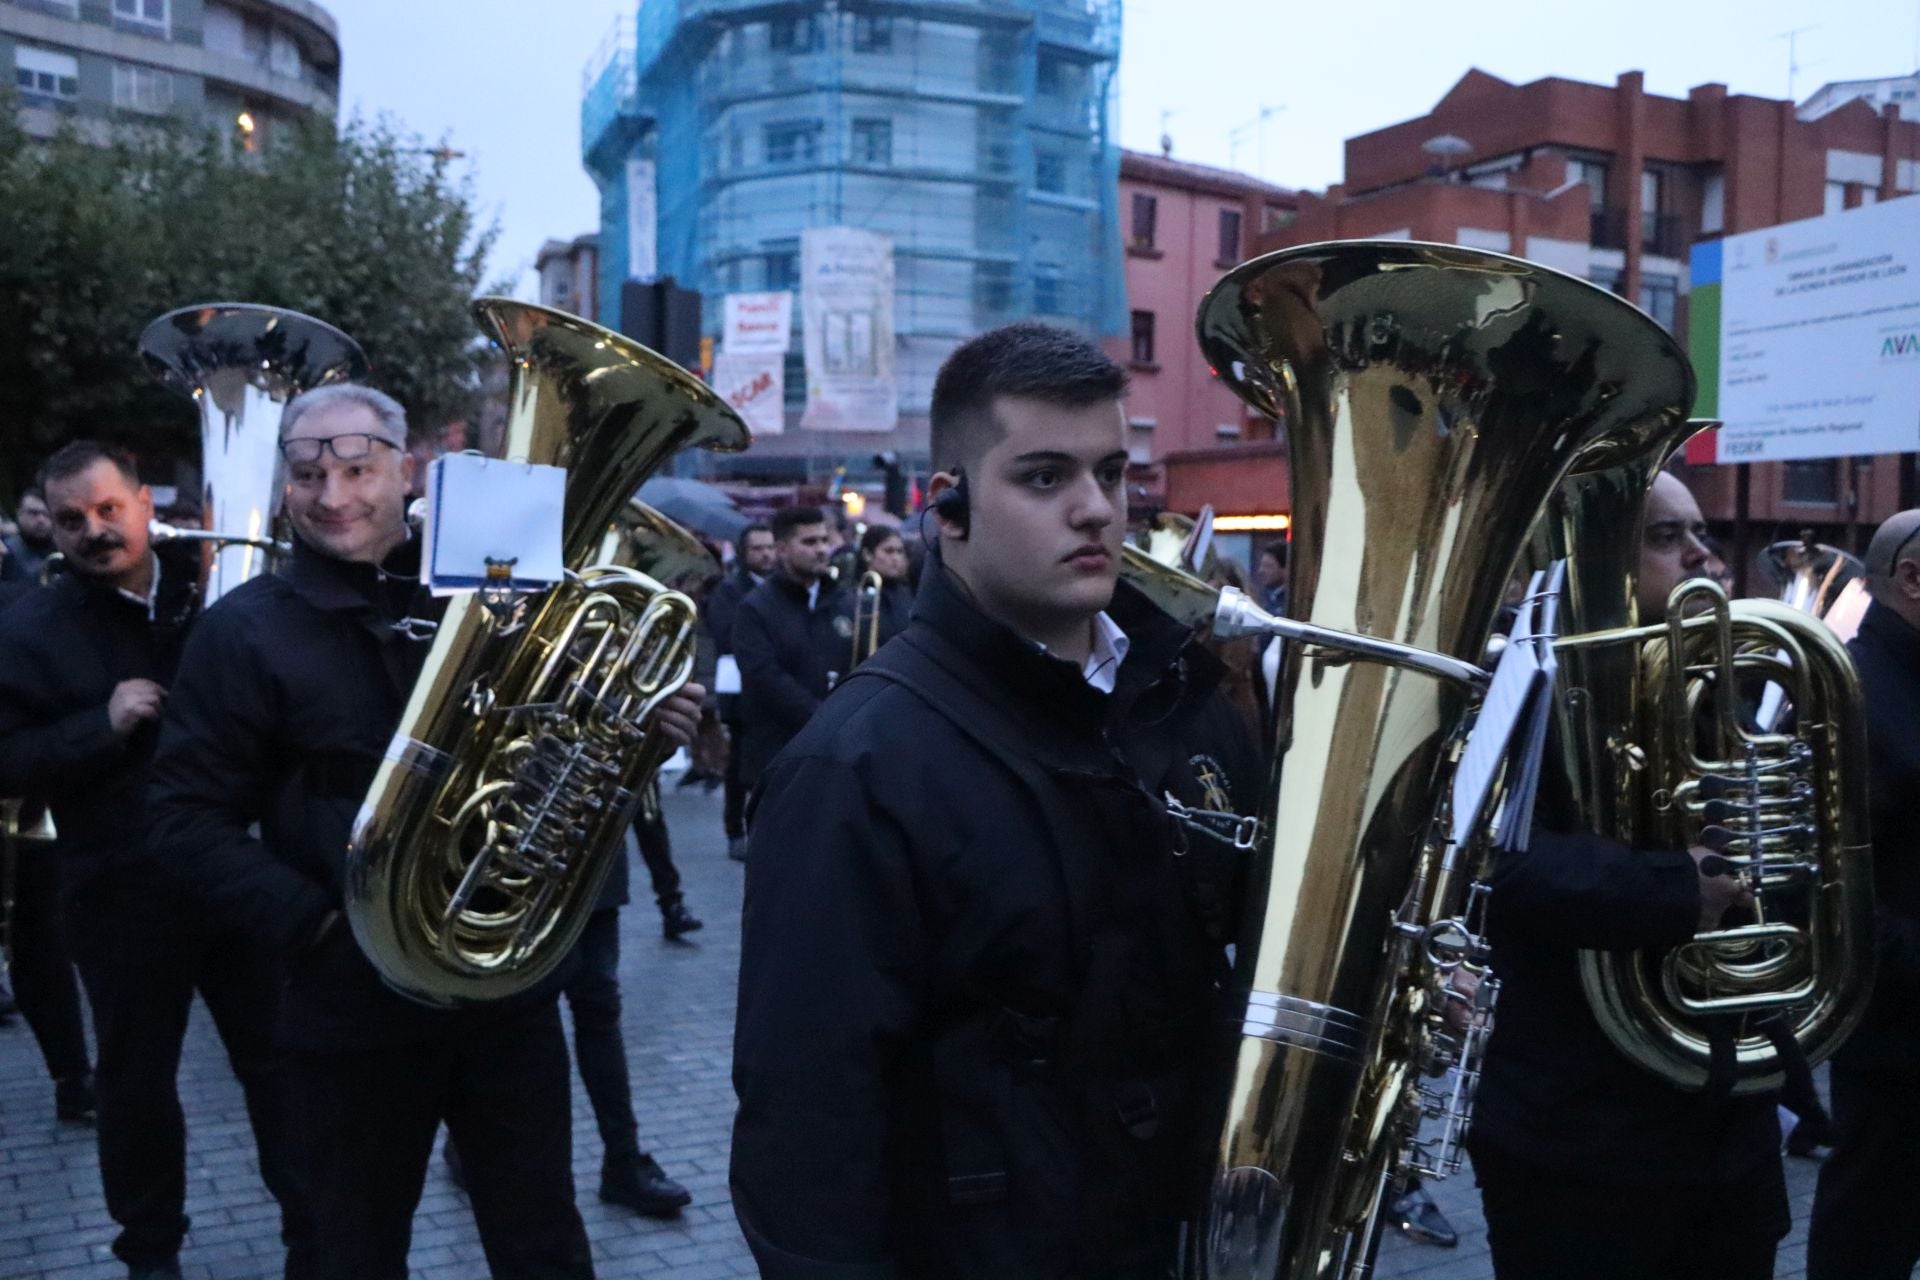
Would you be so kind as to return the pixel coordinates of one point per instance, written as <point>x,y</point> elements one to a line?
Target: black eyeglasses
<point>350,446</point>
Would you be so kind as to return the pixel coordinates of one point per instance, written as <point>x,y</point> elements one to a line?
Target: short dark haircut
<point>72,458</point>
<point>1278,550</point>
<point>34,491</point>
<point>1027,360</point>
<point>787,519</point>
<point>750,530</point>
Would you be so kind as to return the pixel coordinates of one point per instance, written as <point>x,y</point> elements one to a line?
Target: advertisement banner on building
<point>1806,337</point>
<point>758,323</point>
<point>643,260</point>
<point>846,306</point>
<point>755,385</point>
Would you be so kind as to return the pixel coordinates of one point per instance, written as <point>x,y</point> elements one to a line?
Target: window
<point>1657,297</point>
<point>783,269</point>
<point>42,73</point>
<point>792,35</point>
<point>283,57</point>
<point>1051,76</point>
<point>872,33</point>
<point>1146,213</point>
<point>1607,278</point>
<point>1594,174</point>
<point>1047,290</point>
<point>1143,337</point>
<point>873,142</point>
<point>150,13</point>
<point>138,88</point>
<point>1229,235</point>
<point>1655,227</point>
<point>1713,204</point>
<point>1813,481</point>
<point>1835,197</point>
<point>1050,172</point>
<point>793,142</point>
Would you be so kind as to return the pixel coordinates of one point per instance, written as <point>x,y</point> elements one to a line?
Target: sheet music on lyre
<point>1510,732</point>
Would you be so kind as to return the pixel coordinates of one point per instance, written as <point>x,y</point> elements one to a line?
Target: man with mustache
<point>85,666</point>
<point>982,958</point>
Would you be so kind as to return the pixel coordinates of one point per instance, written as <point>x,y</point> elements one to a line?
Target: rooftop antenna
<point>1259,125</point>
<point>1793,57</point>
<point>1166,138</point>
<point>1445,148</point>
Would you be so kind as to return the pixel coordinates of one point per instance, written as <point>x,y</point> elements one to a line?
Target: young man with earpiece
<point>980,995</point>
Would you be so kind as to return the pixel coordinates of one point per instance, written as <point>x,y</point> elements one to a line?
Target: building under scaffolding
<point>977,134</point>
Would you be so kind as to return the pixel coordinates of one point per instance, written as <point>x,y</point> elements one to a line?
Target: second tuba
<point>1433,397</point>
<point>526,745</point>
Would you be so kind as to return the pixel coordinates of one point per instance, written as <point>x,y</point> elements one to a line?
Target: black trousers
<point>369,1117</point>
<point>142,953</point>
<point>1866,1209</point>
<point>594,998</point>
<point>1546,1225</point>
<point>656,850</point>
<point>42,961</point>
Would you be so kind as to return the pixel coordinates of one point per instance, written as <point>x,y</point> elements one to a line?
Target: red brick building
<point>1183,224</point>
<point>1615,184</point>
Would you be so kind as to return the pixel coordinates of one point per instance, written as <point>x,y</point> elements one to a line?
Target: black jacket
<point>284,706</point>
<point>789,655</point>
<point>1554,1090</point>
<point>1887,653</point>
<point>63,648</point>
<point>969,950</point>
<point>722,606</point>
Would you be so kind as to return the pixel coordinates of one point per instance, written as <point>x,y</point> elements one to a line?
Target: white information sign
<point>755,384</point>
<point>1819,352</point>
<point>759,323</point>
<point>846,303</point>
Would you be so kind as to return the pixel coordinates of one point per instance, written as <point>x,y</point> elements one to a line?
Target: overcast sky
<point>500,79</point>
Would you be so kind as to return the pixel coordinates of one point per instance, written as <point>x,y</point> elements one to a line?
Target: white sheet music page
<point>1523,770</point>
<point>481,509</point>
<point>1510,698</point>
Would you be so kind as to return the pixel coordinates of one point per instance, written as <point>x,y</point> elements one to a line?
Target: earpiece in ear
<point>951,505</point>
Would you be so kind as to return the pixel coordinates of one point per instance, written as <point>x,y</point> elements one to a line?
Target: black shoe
<point>713,783</point>
<point>676,920</point>
<point>691,778</point>
<point>455,1170</point>
<point>168,1270</point>
<point>73,1098</point>
<point>737,848</point>
<point>1416,1214</point>
<point>1811,1138</point>
<point>638,1183</point>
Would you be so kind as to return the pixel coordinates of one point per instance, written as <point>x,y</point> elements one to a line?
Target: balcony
<point>1660,234</point>
<point>1607,228</point>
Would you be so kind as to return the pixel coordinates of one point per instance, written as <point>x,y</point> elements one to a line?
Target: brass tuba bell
<point>526,745</point>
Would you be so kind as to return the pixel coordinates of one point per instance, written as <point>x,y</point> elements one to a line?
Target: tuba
<point>241,364</point>
<point>526,746</point>
<point>1661,749</point>
<point>1433,396</point>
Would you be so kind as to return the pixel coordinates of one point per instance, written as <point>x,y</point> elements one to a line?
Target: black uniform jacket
<point>63,648</point>
<point>722,606</point>
<point>789,655</point>
<point>1555,1091</point>
<point>1887,653</point>
<point>979,992</point>
<point>284,706</point>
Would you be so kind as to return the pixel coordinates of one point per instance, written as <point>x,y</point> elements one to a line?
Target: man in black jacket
<point>285,705</point>
<point>1864,1224</point>
<point>757,559</point>
<point>85,666</point>
<point>1590,1167</point>
<point>793,637</point>
<point>979,984</point>
<point>27,550</point>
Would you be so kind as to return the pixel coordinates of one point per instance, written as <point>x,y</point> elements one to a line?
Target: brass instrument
<point>866,617</point>
<point>1434,396</point>
<point>526,745</point>
<point>241,364</point>
<point>1660,752</point>
<point>1811,575</point>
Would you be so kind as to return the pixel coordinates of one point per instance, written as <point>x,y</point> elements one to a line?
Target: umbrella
<point>695,504</point>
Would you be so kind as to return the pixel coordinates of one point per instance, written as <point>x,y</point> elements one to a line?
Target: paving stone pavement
<point>679,1001</point>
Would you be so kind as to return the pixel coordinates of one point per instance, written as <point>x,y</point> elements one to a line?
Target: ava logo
<point>1901,346</point>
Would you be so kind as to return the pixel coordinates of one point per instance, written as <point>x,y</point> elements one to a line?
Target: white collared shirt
<point>149,600</point>
<point>1110,645</point>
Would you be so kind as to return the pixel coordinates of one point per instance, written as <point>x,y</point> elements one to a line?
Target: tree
<point>361,228</point>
